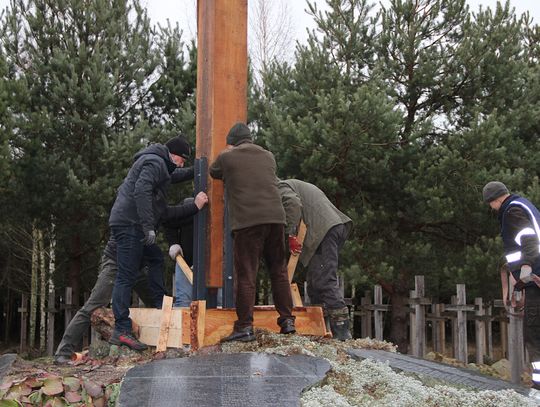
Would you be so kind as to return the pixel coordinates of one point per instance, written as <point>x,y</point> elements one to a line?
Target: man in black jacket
<point>102,292</point>
<point>520,231</point>
<point>141,203</point>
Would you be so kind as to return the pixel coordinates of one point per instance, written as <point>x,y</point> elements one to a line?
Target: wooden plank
<point>185,268</point>
<point>198,322</point>
<point>219,323</point>
<point>166,311</point>
<point>149,321</point>
<point>297,299</point>
<point>222,69</point>
<point>293,259</point>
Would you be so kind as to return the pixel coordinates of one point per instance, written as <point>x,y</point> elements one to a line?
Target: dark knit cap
<point>493,190</point>
<point>179,146</point>
<point>237,133</point>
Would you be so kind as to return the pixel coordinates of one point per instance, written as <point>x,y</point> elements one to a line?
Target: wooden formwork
<point>198,326</point>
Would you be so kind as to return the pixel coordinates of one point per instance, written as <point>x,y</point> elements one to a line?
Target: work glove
<point>149,237</point>
<point>525,276</point>
<point>294,245</point>
<point>525,273</point>
<point>174,251</point>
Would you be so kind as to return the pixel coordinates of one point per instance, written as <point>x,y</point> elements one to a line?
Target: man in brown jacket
<point>257,222</point>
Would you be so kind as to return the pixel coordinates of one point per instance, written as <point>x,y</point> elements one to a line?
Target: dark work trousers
<point>100,297</point>
<point>249,245</point>
<point>322,278</point>
<point>131,254</point>
<point>531,329</point>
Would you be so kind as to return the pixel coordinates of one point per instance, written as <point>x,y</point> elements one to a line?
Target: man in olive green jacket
<point>257,223</point>
<point>327,230</point>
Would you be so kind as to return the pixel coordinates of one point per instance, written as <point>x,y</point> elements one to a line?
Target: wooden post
<point>515,342</point>
<point>51,310</point>
<point>480,330</point>
<point>85,338</point>
<point>7,314</point>
<point>68,307</point>
<point>438,331</point>
<point>455,352</point>
<point>489,332</point>
<point>365,301</point>
<point>504,333</point>
<point>222,68</point>
<point>412,326</point>
<point>378,313</point>
<point>462,323</point>
<point>24,322</point>
<point>420,317</point>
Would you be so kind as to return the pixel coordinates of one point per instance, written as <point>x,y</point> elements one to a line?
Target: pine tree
<point>402,126</point>
<point>87,80</point>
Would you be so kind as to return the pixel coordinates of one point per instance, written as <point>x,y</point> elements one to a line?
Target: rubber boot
<point>339,323</point>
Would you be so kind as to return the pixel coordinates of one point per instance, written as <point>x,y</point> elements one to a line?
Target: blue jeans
<point>131,254</point>
<point>184,289</point>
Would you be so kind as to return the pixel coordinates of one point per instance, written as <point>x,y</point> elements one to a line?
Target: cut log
<point>198,326</point>
<point>102,320</point>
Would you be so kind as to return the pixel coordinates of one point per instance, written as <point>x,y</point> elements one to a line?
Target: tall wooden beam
<point>221,101</point>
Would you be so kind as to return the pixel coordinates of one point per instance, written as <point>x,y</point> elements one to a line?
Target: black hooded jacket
<point>142,197</point>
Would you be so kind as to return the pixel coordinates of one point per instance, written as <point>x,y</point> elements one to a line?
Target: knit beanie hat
<point>238,133</point>
<point>493,190</point>
<point>179,146</point>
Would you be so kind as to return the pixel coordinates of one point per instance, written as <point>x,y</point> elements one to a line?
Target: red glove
<point>294,245</point>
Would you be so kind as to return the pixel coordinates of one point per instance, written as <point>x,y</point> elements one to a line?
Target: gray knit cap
<point>238,133</point>
<point>493,190</point>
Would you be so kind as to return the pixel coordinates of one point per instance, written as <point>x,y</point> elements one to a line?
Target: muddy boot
<point>339,324</point>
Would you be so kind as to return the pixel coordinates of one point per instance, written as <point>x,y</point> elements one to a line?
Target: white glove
<point>525,273</point>
<point>174,251</point>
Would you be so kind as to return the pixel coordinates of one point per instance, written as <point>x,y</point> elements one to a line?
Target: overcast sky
<point>183,11</point>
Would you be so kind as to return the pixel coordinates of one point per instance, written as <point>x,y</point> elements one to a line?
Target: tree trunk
<point>33,288</point>
<point>74,276</point>
<point>52,268</point>
<point>399,318</point>
<point>7,318</point>
<point>42,294</point>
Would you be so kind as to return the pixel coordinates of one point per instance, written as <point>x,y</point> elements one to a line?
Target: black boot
<point>287,327</point>
<point>340,328</point>
<point>240,335</point>
<point>339,323</point>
